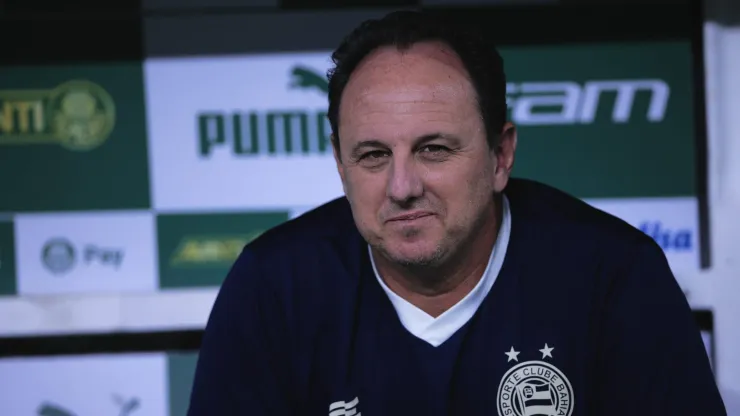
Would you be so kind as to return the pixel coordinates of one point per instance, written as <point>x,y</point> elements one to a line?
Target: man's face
<point>415,164</point>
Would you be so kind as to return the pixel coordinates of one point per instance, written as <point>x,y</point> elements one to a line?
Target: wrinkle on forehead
<point>425,66</point>
<point>425,79</point>
<point>389,60</point>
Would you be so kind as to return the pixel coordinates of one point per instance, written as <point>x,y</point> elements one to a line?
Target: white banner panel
<point>100,385</point>
<point>672,222</point>
<point>86,252</point>
<point>239,132</point>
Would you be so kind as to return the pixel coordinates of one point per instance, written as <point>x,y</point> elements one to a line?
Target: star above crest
<point>512,355</point>
<point>547,351</point>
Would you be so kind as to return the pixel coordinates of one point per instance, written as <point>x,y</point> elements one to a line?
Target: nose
<point>404,182</point>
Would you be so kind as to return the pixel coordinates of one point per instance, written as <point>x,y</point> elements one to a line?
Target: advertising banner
<point>73,138</point>
<point>100,385</point>
<point>93,252</point>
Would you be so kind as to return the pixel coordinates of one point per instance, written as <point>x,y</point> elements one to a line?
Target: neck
<point>435,289</point>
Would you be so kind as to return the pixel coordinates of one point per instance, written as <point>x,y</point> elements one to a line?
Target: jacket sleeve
<point>242,363</point>
<point>652,358</point>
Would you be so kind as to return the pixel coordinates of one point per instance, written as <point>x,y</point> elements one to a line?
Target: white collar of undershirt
<point>437,330</point>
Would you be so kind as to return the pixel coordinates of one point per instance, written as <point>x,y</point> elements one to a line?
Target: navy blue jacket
<point>302,327</point>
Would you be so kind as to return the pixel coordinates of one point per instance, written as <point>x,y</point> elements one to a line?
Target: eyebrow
<point>421,140</point>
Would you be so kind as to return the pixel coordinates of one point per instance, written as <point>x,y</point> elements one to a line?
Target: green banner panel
<point>73,138</point>
<point>180,372</point>
<point>605,120</point>
<point>198,250</point>
<point>7,259</point>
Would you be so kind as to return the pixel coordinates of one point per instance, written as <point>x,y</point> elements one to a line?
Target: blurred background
<point>144,143</point>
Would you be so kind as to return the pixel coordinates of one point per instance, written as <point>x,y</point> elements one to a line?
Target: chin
<point>414,253</point>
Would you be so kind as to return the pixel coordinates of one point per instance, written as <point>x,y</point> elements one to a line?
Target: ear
<point>504,155</point>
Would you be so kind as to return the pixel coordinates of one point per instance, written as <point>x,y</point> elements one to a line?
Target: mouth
<point>411,216</point>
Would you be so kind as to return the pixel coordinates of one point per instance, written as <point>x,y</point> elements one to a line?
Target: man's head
<point>418,113</point>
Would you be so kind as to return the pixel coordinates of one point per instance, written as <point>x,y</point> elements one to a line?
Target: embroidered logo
<point>344,408</point>
<point>534,388</point>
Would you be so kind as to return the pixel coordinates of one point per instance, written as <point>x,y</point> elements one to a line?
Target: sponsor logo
<point>198,250</point>
<point>534,388</point>
<point>568,102</point>
<point>305,131</point>
<point>193,251</point>
<point>307,78</point>
<point>670,239</point>
<point>59,255</point>
<point>342,408</point>
<point>79,115</point>
<point>282,131</point>
<point>125,407</point>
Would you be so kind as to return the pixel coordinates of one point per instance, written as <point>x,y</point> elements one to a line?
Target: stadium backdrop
<point>140,154</point>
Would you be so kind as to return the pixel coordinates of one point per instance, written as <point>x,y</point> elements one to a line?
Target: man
<point>440,286</point>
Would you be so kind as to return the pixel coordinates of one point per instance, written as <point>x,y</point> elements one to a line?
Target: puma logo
<point>53,410</point>
<point>126,408</point>
<point>307,78</point>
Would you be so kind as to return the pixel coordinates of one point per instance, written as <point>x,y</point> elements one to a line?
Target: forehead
<point>424,87</point>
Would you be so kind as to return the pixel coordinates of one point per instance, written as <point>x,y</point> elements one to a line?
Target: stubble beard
<point>433,268</point>
<point>450,252</point>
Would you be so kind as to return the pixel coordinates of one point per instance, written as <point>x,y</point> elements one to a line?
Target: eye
<point>375,154</point>
<point>435,152</point>
<point>434,148</point>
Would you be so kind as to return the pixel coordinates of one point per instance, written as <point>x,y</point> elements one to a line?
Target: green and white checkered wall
<point>133,177</point>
